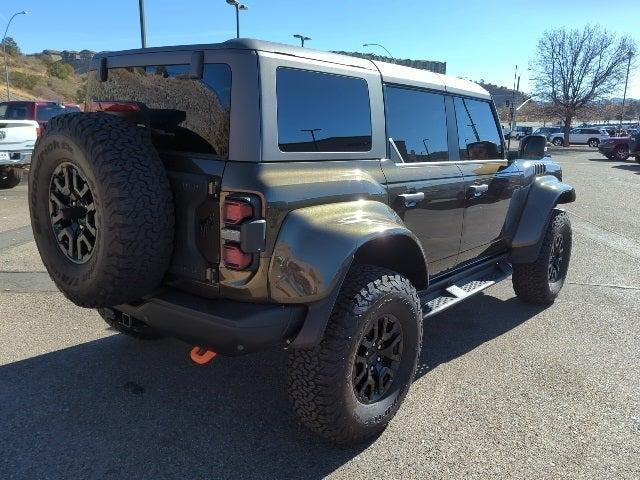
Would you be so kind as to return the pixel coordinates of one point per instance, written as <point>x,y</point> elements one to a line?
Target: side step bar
<point>458,289</point>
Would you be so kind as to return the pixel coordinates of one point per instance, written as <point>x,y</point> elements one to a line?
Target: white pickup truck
<point>17,140</point>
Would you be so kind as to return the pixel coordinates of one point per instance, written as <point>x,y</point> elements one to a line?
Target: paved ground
<point>504,389</point>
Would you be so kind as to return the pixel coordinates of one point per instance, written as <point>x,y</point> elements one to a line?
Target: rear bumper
<point>16,159</point>
<point>225,326</point>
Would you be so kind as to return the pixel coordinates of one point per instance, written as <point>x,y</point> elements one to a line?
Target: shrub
<point>24,81</point>
<point>60,70</point>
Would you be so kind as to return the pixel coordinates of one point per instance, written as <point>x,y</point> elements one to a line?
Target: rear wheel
<point>349,387</point>
<point>593,142</point>
<point>558,142</point>
<point>621,153</point>
<point>10,177</point>
<point>540,282</point>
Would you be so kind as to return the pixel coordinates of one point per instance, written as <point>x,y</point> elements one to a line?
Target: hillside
<point>35,77</point>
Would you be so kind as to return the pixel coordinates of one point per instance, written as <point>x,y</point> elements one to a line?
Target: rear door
<point>489,179</point>
<point>425,186</point>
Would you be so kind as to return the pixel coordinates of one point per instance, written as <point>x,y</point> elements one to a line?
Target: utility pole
<point>4,49</point>
<point>239,6</point>
<point>143,32</point>
<point>624,97</point>
<point>302,38</point>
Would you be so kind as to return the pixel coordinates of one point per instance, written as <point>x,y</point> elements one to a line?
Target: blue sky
<point>479,39</point>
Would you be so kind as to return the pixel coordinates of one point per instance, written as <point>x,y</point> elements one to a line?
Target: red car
<point>615,148</point>
<point>40,111</point>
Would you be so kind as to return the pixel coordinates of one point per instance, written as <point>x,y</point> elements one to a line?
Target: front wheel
<point>349,387</point>
<point>540,281</point>
<point>593,142</point>
<point>558,142</point>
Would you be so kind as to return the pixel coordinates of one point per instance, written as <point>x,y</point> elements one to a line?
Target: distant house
<point>70,56</point>
<point>54,55</point>
<point>86,54</point>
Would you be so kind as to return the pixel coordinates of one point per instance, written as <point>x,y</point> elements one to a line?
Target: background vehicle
<point>615,148</point>
<point>547,131</point>
<point>39,111</point>
<point>17,139</point>
<point>246,195</point>
<point>519,132</point>
<point>581,136</point>
<point>634,145</point>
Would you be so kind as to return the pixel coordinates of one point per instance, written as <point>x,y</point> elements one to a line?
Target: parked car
<point>634,145</point>
<point>519,132</point>
<point>547,131</point>
<point>39,111</point>
<point>17,139</point>
<point>270,205</point>
<point>581,136</point>
<point>615,148</point>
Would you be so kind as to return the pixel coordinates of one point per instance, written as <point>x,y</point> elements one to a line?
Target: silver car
<point>581,136</point>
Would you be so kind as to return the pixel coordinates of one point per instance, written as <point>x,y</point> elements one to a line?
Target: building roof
<point>390,72</point>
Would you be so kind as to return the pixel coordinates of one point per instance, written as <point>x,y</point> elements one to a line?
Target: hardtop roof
<point>390,72</point>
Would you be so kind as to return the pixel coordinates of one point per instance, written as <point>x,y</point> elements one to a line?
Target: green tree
<point>60,70</point>
<point>11,46</point>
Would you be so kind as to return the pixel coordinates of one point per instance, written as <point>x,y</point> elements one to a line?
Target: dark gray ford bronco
<point>247,195</point>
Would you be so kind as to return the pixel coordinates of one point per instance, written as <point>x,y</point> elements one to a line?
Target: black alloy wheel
<point>73,213</point>
<point>377,359</point>
<point>556,260</point>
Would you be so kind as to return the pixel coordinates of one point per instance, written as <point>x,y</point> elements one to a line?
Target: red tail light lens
<point>234,258</point>
<point>235,211</point>
<point>115,107</point>
<point>38,131</point>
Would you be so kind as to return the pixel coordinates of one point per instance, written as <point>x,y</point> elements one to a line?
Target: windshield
<point>47,112</point>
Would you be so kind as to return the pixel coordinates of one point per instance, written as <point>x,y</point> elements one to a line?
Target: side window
<point>478,135</point>
<point>321,112</point>
<point>417,122</point>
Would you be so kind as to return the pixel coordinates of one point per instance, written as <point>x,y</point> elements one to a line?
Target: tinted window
<point>10,111</point>
<point>478,135</point>
<point>185,114</point>
<point>319,112</point>
<point>44,113</point>
<point>417,123</point>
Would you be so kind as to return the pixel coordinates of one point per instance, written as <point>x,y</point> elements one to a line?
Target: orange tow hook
<point>202,356</point>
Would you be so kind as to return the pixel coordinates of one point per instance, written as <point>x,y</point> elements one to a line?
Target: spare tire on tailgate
<point>101,209</point>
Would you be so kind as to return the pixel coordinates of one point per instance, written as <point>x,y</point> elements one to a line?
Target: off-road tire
<point>531,280</point>
<point>558,142</point>
<point>133,204</point>
<point>11,178</point>
<point>138,330</point>
<point>320,382</point>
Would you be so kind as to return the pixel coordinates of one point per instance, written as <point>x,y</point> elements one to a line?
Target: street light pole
<point>378,45</point>
<point>238,6</point>
<point>302,38</point>
<point>143,32</point>
<point>4,49</point>
<point>624,97</point>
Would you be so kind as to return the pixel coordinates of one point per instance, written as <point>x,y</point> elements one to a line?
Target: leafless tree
<point>573,68</point>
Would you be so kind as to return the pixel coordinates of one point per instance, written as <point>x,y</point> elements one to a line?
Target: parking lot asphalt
<point>504,390</point>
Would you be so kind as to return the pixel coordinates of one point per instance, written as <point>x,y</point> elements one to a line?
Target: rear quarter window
<point>185,114</point>
<point>322,112</point>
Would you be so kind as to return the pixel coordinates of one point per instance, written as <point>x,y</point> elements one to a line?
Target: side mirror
<point>533,147</point>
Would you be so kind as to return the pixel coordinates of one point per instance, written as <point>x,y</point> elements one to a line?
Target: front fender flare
<point>545,193</point>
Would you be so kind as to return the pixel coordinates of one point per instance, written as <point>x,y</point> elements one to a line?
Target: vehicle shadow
<point>634,167</point>
<point>461,329</point>
<point>119,408</point>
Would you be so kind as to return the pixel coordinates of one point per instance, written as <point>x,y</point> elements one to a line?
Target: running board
<point>461,288</point>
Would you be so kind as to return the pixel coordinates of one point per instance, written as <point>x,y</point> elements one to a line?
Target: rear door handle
<point>478,190</point>
<point>411,199</point>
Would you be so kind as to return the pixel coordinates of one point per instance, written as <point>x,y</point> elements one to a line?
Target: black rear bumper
<point>225,326</point>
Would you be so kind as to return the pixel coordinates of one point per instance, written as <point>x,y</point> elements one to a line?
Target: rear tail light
<point>236,211</point>
<point>118,107</point>
<point>243,231</point>
<point>38,131</point>
<point>234,258</point>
